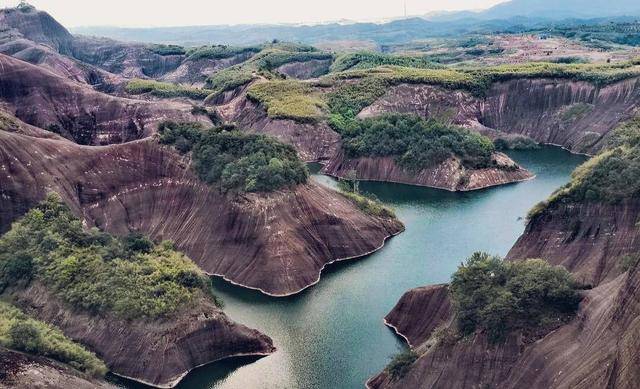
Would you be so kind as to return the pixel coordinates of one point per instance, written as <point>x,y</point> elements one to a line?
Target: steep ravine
<point>277,243</point>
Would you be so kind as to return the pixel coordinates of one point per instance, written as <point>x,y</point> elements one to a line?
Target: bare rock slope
<point>158,352</point>
<point>277,243</point>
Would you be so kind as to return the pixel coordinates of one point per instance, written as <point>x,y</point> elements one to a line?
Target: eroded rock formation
<point>23,371</point>
<point>598,348</point>
<point>574,114</point>
<point>277,243</point>
<point>158,352</point>
<point>450,175</point>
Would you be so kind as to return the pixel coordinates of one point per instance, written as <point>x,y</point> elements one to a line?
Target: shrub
<point>401,363</point>
<point>368,60</point>
<point>368,204</point>
<point>94,271</point>
<point>228,79</point>
<point>168,50</point>
<point>165,89</point>
<point>518,142</point>
<point>219,52</point>
<point>235,161</point>
<point>416,143</point>
<point>288,100</point>
<point>22,333</point>
<point>499,297</point>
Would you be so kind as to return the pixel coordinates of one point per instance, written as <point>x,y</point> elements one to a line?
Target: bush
<point>228,79</point>
<point>368,205</point>
<point>288,100</point>
<point>401,364</point>
<point>168,50</point>
<point>165,89</point>
<point>518,142</point>
<point>219,52</point>
<point>416,143</point>
<point>235,161</point>
<point>499,297</point>
<point>19,332</point>
<point>94,271</point>
<point>368,60</point>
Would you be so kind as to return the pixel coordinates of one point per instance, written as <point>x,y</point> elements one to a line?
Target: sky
<point>146,13</point>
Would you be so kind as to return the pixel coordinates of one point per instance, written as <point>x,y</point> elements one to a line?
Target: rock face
<point>277,243</point>
<point>419,312</point>
<point>574,114</point>
<point>23,371</point>
<point>305,70</point>
<point>313,141</point>
<point>158,352</point>
<point>76,111</point>
<point>449,175</point>
<point>597,349</point>
<point>588,239</point>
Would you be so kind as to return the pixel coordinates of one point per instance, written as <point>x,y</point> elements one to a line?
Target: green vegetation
<point>576,111</point>
<point>478,80</point>
<point>289,100</point>
<point>228,79</point>
<point>610,177</point>
<point>416,143</point>
<point>368,60</point>
<point>629,261</point>
<point>22,333</point>
<point>219,52</point>
<point>517,142</point>
<point>165,89</point>
<point>273,59</point>
<point>168,49</point>
<point>498,296</point>
<point>401,363</point>
<point>235,161</point>
<point>95,271</point>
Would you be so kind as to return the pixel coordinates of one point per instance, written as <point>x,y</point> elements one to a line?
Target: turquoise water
<point>332,335</point>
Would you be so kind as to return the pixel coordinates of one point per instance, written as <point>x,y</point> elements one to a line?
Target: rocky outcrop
<point>37,26</point>
<point>195,72</point>
<point>419,312</point>
<point>305,70</point>
<point>24,371</point>
<point>598,348</point>
<point>158,352</point>
<point>588,239</point>
<point>313,141</point>
<point>277,243</point>
<point>574,114</point>
<point>450,175</point>
<point>76,111</point>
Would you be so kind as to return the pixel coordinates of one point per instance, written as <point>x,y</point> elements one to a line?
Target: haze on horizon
<point>153,13</point>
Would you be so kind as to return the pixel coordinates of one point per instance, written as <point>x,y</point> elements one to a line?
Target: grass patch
<point>498,296</point>
<point>22,333</point>
<point>94,271</point>
<point>235,161</point>
<point>289,100</point>
<point>165,89</point>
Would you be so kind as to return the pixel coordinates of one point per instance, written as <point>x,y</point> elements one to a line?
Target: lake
<point>332,334</point>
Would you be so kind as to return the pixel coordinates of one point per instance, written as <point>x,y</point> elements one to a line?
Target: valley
<point>292,213</point>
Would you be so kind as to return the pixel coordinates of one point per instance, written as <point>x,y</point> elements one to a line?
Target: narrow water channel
<point>332,335</point>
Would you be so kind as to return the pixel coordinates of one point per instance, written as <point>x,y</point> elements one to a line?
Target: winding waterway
<point>332,335</point>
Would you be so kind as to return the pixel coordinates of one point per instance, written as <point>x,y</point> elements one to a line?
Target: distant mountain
<point>561,9</point>
<point>515,14</point>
